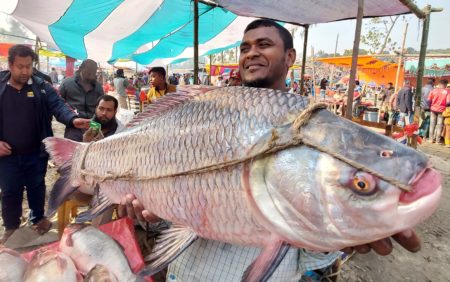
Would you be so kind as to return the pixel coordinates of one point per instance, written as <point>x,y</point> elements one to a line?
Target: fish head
<point>343,185</point>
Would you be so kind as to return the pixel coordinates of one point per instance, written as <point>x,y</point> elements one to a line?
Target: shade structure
<point>364,62</point>
<point>370,69</point>
<point>161,31</point>
<point>312,12</point>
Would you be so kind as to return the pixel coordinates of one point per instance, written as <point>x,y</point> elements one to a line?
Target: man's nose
<point>252,52</point>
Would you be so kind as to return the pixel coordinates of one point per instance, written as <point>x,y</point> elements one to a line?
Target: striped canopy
<point>160,32</point>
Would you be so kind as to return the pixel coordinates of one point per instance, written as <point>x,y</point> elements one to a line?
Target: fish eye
<point>386,154</point>
<point>363,184</point>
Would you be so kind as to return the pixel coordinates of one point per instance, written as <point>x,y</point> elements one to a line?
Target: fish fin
<point>62,189</point>
<point>266,263</point>
<point>61,150</point>
<point>168,102</point>
<point>99,204</point>
<point>169,245</point>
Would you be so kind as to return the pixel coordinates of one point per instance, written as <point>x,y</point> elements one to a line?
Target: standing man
<point>404,104</point>
<point>425,111</point>
<point>159,85</point>
<point>120,86</point>
<point>81,92</point>
<point>53,76</point>
<point>438,99</point>
<point>266,54</point>
<point>27,105</point>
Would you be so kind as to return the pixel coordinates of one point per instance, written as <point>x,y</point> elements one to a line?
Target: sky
<point>323,36</point>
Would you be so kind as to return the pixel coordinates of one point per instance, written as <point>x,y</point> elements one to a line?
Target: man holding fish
<point>266,54</point>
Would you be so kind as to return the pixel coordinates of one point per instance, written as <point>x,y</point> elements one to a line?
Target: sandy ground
<point>429,264</point>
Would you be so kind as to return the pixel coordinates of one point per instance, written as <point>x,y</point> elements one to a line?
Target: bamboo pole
<point>334,67</point>
<point>313,74</point>
<point>400,58</point>
<point>305,46</point>
<point>195,41</point>
<point>351,83</point>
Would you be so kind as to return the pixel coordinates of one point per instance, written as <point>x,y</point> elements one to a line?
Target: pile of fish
<point>84,251</point>
<point>256,167</point>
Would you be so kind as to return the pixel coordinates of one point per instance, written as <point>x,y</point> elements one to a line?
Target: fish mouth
<point>424,183</point>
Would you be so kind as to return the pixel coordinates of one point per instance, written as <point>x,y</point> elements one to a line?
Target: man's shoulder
<point>68,81</point>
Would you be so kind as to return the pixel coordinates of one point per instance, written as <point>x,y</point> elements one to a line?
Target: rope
<point>273,145</point>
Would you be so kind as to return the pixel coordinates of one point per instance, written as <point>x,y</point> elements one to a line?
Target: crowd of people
<point>28,103</point>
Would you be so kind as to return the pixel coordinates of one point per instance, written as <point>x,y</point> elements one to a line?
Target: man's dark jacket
<point>48,104</point>
<point>404,100</point>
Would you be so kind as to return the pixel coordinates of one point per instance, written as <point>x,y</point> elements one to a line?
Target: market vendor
<point>266,54</point>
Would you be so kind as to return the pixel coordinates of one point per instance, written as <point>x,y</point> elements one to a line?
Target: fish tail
<point>61,151</point>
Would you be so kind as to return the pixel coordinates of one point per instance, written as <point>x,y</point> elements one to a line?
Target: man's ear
<point>290,56</point>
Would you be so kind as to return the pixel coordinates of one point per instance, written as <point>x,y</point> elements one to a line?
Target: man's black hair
<point>108,98</point>
<point>285,35</point>
<point>87,62</point>
<point>119,73</point>
<point>431,81</point>
<point>21,51</point>
<point>356,82</point>
<point>443,81</point>
<point>159,70</point>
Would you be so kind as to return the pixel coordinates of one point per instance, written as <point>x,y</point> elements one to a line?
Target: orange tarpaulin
<point>370,69</point>
<point>4,47</point>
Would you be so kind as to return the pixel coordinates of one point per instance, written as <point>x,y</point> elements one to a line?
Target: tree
<point>349,52</point>
<point>378,37</point>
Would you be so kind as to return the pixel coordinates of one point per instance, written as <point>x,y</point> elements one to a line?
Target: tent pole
<point>305,46</point>
<point>334,67</point>
<point>421,64</point>
<point>351,83</point>
<point>313,74</point>
<point>195,41</point>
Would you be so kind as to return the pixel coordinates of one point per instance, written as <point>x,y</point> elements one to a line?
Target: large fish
<point>12,265</point>
<point>88,247</point>
<point>253,167</point>
<point>51,266</point>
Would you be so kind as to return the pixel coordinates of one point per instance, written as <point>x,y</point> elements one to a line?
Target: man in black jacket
<point>404,104</point>
<point>27,105</point>
<point>81,92</point>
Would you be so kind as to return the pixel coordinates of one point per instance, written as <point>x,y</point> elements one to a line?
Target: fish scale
<point>170,143</point>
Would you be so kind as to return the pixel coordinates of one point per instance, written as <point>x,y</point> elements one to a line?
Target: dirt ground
<point>430,264</point>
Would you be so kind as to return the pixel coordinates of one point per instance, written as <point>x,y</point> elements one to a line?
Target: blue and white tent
<point>161,31</point>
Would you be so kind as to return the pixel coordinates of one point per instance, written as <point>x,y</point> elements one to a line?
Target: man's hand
<point>408,239</point>
<point>92,135</point>
<point>132,208</point>
<point>5,149</point>
<point>81,123</point>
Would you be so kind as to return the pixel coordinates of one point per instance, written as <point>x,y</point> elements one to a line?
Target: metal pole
<point>400,58</point>
<point>305,46</point>
<point>351,83</point>
<point>421,66</point>
<point>210,69</point>
<point>195,41</point>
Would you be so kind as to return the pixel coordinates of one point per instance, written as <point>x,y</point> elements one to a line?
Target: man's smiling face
<point>263,61</point>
